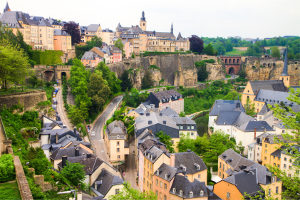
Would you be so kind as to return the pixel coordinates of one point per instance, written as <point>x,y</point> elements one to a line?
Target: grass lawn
<point>9,191</point>
<point>234,52</point>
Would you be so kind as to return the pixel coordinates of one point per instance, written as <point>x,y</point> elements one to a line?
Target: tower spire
<point>285,67</point>
<point>6,9</point>
<point>172,28</point>
<point>143,16</point>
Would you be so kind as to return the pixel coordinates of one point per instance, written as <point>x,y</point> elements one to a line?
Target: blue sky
<point>209,18</point>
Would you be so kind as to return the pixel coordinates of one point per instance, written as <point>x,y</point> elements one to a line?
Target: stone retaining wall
<point>22,181</point>
<point>26,99</point>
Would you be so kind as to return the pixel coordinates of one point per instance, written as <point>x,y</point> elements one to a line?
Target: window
<point>291,161</point>
<point>161,184</point>
<point>284,158</point>
<point>156,181</point>
<point>266,145</point>
<point>192,127</point>
<point>220,165</point>
<point>199,176</point>
<point>165,186</point>
<point>119,156</point>
<point>118,143</point>
<point>188,127</point>
<point>265,158</point>
<point>284,166</point>
<point>117,191</point>
<point>118,149</point>
<point>269,192</point>
<point>165,197</point>
<point>228,195</point>
<point>277,190</point>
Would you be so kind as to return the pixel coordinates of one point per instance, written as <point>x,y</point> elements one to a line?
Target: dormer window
<point>180,192</point>
<point>197,166</point>
<point>157,172</point>
<point>201,193</point>
<point>174,190</point>
<point>191,194</point>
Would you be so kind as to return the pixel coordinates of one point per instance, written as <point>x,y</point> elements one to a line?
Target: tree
<point>166,139</point>
<point>110,77</point>
<point>250,108</point>
<point>275,52</point>
<point>209,50</point>
<point>118,43</point>
<point>98,90</point>
<point>126,84</point>
<point>95,42</point>
<point>128,193</point>
<point>202,72</point>
<point>147,81</point>
<point>14,65</point>
<point>77,115</point>
<point>290,120</point>
<point>73,29</point>
<point>74,172</point>
<point>7,168</point>
<point>196,44</point>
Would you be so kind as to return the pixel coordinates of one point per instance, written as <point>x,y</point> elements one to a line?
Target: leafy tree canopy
<point>74,172</point>
<point>128,193</point>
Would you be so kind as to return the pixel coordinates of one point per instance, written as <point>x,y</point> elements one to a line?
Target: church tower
<point>143,23</point>
<point>6,9</point>
<point>285,76</point>
<point>172,28</point>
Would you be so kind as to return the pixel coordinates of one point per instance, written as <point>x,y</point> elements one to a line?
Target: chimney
<point>172,160</point>
<point>254,133</point>
<point>76,152</point>
<point>56,138</point>
<point>64,161</point>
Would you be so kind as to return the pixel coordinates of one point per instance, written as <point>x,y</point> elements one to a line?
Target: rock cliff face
<point>177,70</point>
<point>271,69</point>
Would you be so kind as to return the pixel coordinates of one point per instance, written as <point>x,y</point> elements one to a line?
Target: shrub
<point>7,168</point>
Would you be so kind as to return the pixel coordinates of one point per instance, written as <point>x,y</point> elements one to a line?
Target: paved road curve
<point>61,110</point>
<point>96,134</point>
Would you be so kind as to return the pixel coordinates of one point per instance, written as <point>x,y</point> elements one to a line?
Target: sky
<point>205,18</point>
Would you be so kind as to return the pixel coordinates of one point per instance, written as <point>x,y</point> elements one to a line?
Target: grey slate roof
<point>11,19</point>
<point>191,161</point>
<point>116,131</point>
<point>235,160</point>
<point>166,172</point>
<point>264,110</point>
<point>276,97</point>
<point>227,117</point>
<point>154,122</point>
<point>107,180</point>
<point>183,120</point>
<point>147,144</point>
<point>90,55</point>
<point>93,27</point>
<point>246,182</point>
<point>274,85</point>
<point>182,184</point>
<point>153,153</point>
<point>60,32</point>
<point>90,164</point>
<point>169,112</point>
<point>259,126</point>
<point>225,105</point>
<point>167,94</point>
<point>69,152</point>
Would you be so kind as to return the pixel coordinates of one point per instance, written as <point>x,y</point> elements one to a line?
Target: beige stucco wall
<point>272,188</point>
<point>112,191</point>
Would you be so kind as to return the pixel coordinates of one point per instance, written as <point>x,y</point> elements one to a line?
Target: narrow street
<point>96,133</point>
<point>131,169</point>
<point>61,110</point>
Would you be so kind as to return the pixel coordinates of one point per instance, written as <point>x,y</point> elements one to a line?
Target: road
<point>131,170</point>
<point>97,140</point>
<point>61,110</point>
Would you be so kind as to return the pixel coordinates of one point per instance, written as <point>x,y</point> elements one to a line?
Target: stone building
<point>143,40</point>
<point>232,64</point>
<point>62,41</point>
<point>116,142</point>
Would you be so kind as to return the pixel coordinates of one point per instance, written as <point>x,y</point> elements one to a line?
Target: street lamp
<point>68,192</point>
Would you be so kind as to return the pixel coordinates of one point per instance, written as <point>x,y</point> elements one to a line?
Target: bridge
<point>53,73</point>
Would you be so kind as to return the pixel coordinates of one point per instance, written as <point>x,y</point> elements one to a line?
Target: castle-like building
<point>138,39</point>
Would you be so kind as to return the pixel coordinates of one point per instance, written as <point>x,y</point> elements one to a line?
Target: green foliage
<point>275,52</point>
<point>202,124</point>
<point>250,108</point>
<point>74,172</point>
<point>126,84</point>
<point>47,57</point>
<point>119,44</point>
<point>154,67</point>
<point>128,193</point>
<point>110,77</point>
<point>147,81</point>
<point>7,168</point>
<point>9,191</point>
<point>134,98</point>
<point>14,65</point>
<point>254,50</point>
<point>81,49</point>
<point>196,100</point>
<point>34,81</point>
<point>208,148</point>
<point>209,50</point>
<point>166,139</point>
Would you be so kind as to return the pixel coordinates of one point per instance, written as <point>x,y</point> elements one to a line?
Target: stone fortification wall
<point>26,99</point>
<point>271,69</point>
<point>174,69</point>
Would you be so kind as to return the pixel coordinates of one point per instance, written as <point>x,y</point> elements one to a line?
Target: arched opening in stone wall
<point>63,76</point>
<point>231,70</point>
<point>49,75</point>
